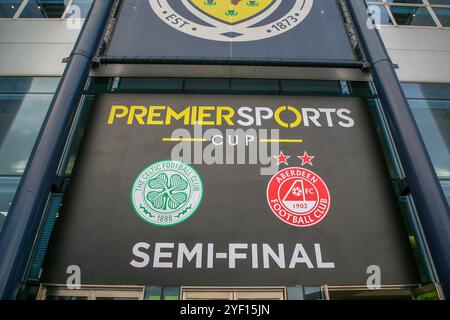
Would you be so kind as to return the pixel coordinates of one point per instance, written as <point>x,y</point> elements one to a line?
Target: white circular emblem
<point>232,20</point>
<point>167,193</point>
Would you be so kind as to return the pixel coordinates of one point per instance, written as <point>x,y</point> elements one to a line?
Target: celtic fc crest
<point>232,20</point>
<point>167,193</point>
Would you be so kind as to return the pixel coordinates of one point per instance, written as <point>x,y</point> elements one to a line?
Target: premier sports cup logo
<point>167,193</point>
<point>298,197</point>
<point>232,20</point>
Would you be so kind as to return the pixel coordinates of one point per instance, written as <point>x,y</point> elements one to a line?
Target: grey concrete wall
<point>37,47</point>
<point>423,54</point>
<point>34,47</point>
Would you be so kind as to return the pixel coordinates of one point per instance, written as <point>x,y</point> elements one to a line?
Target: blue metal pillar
<point>432,207</point>
<point>27,209</point>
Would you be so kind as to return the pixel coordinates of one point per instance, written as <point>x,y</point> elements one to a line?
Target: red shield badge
<point>298,196</point>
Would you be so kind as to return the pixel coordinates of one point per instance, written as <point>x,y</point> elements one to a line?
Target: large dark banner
<point>268,190</point>
<point>264,30</point>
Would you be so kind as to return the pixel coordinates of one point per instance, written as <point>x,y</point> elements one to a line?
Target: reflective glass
<point>152,293</point>
<point>65,298</point>
<point>8,186</point>
<point>433,120</point>
<point>384,17</point>
<point>199,85</point>
<point>406,1</point>
<point>21,118</point>
<point>44,9</point>
<point>441,2</point>
<point>151,84</point>
<point>443,15</point>
<point>254,86</point>
<point>28,84</point>
<point>440,91</point>
<point>9,7</point>
<point>171,293</point>
<point>295,293</point>
<point>312,293</point>
<point>311,87</point>
<point>412,16</point>
<point>446,187</point>
<point>76,139</point>
<point>79,9</point>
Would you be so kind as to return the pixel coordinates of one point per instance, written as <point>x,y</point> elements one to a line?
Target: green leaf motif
<point>167,193</point>
<point>160,182</point>
<point>178,183</point>
<point>156,199</point>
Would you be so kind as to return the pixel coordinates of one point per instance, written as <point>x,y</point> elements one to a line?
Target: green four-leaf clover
<point>167,193</point>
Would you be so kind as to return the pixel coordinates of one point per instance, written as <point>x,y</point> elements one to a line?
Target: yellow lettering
<point>203,114</point>
<point>284,124</point>
<point>177,116</point>
<point>138,112</point>
<point>194,115</point>
<point>154,114</point>
<point>227,117</point>
<point>115,114</point>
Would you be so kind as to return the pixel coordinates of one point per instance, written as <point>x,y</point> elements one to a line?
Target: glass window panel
<point>171,293</point>
<point>446,187</point>
<point>79,9</point>
<point>150,84</point>
<point>295,293</point>
<point>412,16</point>
<point>442,2</point>
<point>152,293</point>
<point>443,15</point>
<point>198,85</point>
<point>115,298</point>
<point>254,86</point>
<point>406,1</point>
<point>312,293</point>
<point>8,187</point>
<point>76,139</point>
<point>228,86</point>
<point>386,142</point>
<point>384,16</point>
<point>67,298</point>
<point>311,87</point>
<point>15,84</point>
<point>427,90</point>
<point>44,9</point>
<point>21,118</point>
<point>362,89</point>
<point>9,7</point>
<point>28,84</point>
<point>433,120</point>
<point>100,85</point>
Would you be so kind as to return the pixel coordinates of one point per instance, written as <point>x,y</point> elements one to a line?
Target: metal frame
<point>263,292</point>
<point>24,3</point>
<point>426,4</point>
<point>105,60</point>
<point>40,176</point>
<point>421,178</point>
<point>326,289</point>
<point>91,292</point>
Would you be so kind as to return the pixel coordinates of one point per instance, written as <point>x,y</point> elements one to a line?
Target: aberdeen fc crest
<point>298,197</point>
<point>232,20</point>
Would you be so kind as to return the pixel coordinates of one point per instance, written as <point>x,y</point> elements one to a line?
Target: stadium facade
<point>223,150</point>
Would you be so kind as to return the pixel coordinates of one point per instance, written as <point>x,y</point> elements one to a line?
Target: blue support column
<point>432,207</point>
<point>27,209</point>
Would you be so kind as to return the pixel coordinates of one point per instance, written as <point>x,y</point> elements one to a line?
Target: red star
<point>282,158</point>
<point>306,159</point>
